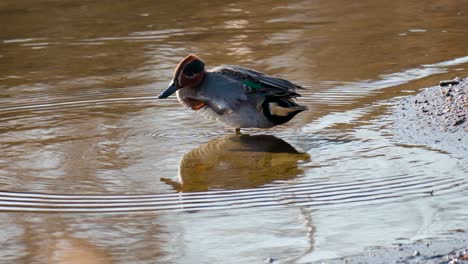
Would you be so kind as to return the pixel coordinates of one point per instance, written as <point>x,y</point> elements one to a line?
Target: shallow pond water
<point>95,169</point>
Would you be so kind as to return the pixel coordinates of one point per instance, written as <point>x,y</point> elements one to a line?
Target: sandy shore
<point>452,250</point>
<point>437,117</point>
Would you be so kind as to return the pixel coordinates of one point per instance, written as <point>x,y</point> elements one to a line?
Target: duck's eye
<point>193,68</point>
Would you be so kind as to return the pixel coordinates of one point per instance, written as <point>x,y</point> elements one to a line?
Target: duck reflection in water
<point>238,162</point>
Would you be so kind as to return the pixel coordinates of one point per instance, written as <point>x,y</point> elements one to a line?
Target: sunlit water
<point>95,169</point>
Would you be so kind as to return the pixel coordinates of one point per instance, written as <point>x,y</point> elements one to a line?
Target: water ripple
<point>315,195</point>
<point>76,103</point>
<point>349,92</point>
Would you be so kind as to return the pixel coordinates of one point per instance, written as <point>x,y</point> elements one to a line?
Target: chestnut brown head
<point>189,73</point>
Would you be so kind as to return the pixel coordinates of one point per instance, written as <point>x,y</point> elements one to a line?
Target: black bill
<point>170,90</point>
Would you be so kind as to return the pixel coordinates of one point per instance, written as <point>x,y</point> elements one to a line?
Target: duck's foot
<point>238,132</point>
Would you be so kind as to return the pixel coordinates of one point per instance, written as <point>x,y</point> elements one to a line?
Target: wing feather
<point>270,86</point>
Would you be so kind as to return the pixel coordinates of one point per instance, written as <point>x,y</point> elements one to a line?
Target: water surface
<point>95,169</point>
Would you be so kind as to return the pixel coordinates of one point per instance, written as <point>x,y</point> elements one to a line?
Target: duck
<point>236,96</point>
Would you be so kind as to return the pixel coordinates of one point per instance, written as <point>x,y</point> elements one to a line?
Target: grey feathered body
<point>232,102</point>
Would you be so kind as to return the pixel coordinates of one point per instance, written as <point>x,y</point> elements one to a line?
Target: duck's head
<point>189,73</point>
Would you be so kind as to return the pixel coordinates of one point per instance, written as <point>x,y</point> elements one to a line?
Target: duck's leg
<point>238,132</point>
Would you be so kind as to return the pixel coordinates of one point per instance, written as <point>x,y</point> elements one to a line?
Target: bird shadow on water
<point>238,162</point>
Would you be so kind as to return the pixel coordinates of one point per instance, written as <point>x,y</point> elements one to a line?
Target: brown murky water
<point>94,169</point>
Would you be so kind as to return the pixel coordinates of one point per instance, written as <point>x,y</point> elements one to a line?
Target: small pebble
<point>459,121</point>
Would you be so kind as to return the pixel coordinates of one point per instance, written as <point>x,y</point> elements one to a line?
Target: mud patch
<point>436,117</point>
<point>453,250</point>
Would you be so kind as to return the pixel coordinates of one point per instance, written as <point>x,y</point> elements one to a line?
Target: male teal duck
<point>235,96</point>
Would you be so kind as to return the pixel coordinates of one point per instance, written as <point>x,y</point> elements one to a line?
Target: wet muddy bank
<point>436,117</point>
<point>452,250</point>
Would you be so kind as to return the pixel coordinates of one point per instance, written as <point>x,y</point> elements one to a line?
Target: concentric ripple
<point>352,191</point>
<point>313,195</point>
<point>74,103</point>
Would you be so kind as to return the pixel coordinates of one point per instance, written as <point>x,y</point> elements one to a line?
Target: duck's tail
<point>280,110</point>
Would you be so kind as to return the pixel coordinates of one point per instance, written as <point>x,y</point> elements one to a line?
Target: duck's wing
<point>258,82</point>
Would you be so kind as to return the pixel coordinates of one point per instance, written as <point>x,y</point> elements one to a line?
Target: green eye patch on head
<point>194,67</point>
